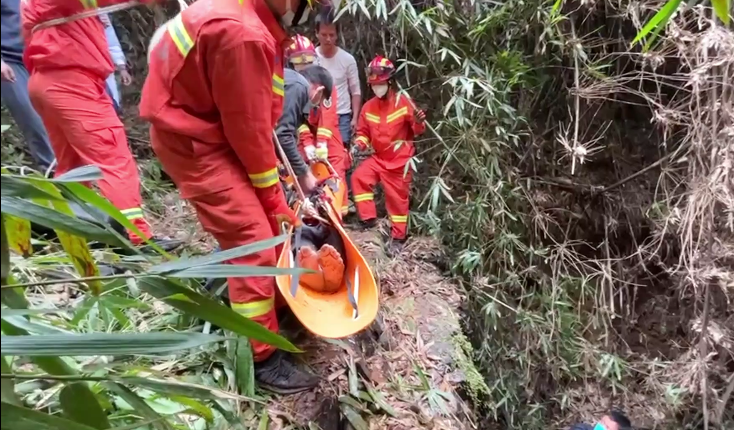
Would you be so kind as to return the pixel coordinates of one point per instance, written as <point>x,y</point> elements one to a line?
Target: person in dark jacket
<point>15,87</point>
<point>303,92</point>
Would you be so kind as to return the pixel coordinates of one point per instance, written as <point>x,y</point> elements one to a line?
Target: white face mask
<point>287,18</point>
<point>380,90</point>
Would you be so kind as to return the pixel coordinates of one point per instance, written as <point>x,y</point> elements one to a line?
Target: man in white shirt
<point>343,69</point>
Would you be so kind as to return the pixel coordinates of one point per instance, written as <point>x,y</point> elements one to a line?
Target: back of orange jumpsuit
<point>328,142</point>
<point>68,64</point>
<point>387,125</point>
<point>213,95</point>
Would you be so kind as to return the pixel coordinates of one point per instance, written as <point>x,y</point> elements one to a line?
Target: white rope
<point>86,14</point>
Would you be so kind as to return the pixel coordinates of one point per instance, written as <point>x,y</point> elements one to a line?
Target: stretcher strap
<point>350,295</point>
<point>295,278</point>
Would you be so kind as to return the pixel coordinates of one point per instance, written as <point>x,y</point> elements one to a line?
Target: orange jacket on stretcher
<point>387,125</point>
<point>213,96</point>
<point>68,64</point>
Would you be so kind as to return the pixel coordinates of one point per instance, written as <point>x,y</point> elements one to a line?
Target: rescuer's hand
<point>7,72</point>
<point>310,153</point>
<point>308,182</point>
<point>420,116</point>
<point>125,77</point>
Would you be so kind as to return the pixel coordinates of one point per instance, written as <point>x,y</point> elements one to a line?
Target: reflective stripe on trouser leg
<point>235,217</point>
<point>397,200</point>
<point>364,179</point>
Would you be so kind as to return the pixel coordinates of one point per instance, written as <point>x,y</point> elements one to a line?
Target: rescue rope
<point>95,12</point>
<point>86,14</point>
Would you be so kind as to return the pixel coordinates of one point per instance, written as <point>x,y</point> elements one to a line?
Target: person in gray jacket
<point>304,92</point>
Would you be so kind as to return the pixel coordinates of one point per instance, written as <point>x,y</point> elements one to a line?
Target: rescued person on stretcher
<point>320,249</point>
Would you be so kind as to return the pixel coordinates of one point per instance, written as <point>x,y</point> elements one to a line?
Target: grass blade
<point>140,406</point>
<point>245,368</point>
<point>210,310</point>
<point>217,257</point>
<point>234,271</point>
<point>659,20</point>
<point>56,220</point>
<point>95,344</point>
<point>79,404</point>
<point>19,418</point>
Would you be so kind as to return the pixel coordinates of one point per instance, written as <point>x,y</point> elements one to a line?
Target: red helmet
<point>380,70</point>
<point>300,51</point>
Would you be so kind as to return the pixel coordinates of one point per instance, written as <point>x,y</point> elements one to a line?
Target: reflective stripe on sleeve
<point>397,114</point>
<point>278,85</point>
<point>180,36</point>
<point>265,179</point>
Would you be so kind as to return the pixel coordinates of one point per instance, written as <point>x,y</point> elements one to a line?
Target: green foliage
<point>129,324</point>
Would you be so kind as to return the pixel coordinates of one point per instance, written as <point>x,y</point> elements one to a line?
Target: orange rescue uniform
<point>328,134</point>
<point>68,64</point>
<point>387,125</point>
<point>213,95</point>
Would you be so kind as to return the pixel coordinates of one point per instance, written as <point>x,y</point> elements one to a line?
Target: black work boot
<point>280,375</point>
<point>165,243</point>
<point>368,224</point>
<point>395,247</point>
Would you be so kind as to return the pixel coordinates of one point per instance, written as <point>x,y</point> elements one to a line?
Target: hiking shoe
<point>280,375</point>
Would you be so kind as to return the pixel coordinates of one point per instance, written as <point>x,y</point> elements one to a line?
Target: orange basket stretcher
<point>354,306</point>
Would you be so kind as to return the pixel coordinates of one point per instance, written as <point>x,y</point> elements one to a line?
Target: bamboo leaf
<point>140,406</point>
<point>217,257</point>
<point>80,404</point>
<point>80,193</point>
<point>20,418</point>
<point>354,418</point>
<point>13,186</point>
<point>95,344</point>
<point>234,271</point>
<point>245,367</point>
<point>722,8</point>
<point>4,255</point>
<point>264,419</point>
<point>80,174</point>
<point>198,408</point>
<point>212,311</point>
<point>19,235</point>
<point>74,245</point>
<point>658,21</point>
<point>56,220</point>
<point>7,385</point>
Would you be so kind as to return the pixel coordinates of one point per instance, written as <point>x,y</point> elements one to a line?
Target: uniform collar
<point>268,18</point>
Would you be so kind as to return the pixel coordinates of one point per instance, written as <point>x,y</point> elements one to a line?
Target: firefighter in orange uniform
<point>69,63</point>
<point>213,95</point>
<point>327,144</point>
<point>387,124</point>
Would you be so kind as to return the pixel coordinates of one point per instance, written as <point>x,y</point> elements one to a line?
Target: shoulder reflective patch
<point>180,36</point>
